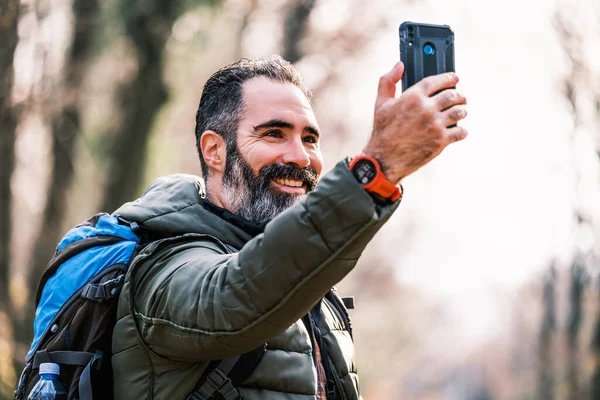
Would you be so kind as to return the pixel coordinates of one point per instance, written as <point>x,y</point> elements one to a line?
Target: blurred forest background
<point>485,284</point>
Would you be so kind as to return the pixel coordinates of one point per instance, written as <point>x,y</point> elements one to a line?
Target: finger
<point>435,83</point>
<point>454,114</point>
<point>387,82</point>
<point>448,98</point>
<point>456,134</point>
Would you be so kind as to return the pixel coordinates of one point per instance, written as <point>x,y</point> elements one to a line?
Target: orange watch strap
<point>379,185</point>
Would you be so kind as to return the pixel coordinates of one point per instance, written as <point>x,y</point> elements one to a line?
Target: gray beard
<point>253,197</point>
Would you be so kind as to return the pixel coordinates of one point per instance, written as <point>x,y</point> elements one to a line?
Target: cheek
<point>316,161</point>
<point>261,156</point>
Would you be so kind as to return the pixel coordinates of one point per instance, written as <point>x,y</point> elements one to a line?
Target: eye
<point>310,139</point>
<point>274,133</point>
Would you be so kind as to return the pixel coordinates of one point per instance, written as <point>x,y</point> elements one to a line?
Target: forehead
<point>266,99</point>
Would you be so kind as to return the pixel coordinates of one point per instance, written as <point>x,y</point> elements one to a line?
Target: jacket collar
<point>247,226</point>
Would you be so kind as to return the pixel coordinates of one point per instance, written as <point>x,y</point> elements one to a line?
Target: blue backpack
<point>76,307</point>
<point>76,304</point>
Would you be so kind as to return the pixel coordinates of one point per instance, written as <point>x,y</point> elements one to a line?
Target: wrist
<point>388,169</point>
<point>367,171</point>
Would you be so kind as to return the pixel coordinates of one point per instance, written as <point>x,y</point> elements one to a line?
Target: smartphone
<point>425,50</point>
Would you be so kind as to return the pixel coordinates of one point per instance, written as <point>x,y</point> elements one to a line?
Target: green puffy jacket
<point>195,300</point>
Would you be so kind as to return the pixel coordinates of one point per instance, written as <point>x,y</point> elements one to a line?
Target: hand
<point>411,130</point>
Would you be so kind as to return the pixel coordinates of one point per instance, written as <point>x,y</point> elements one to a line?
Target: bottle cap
<point>49,368</point>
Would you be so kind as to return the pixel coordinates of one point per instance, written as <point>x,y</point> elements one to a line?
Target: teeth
<point>289,182</point>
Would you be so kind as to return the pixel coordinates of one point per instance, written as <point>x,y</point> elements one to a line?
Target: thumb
<point>387,82</point>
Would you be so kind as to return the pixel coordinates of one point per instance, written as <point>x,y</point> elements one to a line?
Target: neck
<point>214,191</point>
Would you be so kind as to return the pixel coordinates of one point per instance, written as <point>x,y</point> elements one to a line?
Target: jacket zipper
<point>308,323</point>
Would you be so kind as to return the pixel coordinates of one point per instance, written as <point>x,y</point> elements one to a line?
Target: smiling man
<point>273,158</point>
<point>235,298</point>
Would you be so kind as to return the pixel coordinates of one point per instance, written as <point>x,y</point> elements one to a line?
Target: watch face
<point>364,171</point>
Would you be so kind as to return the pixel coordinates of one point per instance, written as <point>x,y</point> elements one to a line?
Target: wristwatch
<point>367,171</point>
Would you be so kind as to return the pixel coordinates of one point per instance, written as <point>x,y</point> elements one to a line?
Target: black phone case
<point>417,62</point>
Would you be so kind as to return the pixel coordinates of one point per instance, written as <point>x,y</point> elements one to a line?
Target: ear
<point>214,150</point>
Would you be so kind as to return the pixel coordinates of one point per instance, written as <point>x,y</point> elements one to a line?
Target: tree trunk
<point>578,281</point>
<point>546,379</point>
<point>574,84</point>
<point>239,49</point>
<point>9,18</point>
<point>148,24</point>
<point>62,113</point>
<point>9,15</point>
<point>65,124</point>
<point>294,27</point>
<point>595,348</point>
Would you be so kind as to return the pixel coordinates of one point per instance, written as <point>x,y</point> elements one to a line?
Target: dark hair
<point>222,102</point>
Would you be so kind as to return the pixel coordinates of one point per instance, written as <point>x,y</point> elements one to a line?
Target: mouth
<point>288,185</point>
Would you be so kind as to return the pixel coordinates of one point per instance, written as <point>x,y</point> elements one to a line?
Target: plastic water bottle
<point>48,387</point>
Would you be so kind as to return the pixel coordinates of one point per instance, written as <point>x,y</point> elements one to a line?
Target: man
<point>252,259</point>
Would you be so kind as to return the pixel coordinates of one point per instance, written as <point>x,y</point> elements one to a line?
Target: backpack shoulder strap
<point>223,377</point>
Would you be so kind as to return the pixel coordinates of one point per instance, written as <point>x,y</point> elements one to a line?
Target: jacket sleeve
<point>195,303</point>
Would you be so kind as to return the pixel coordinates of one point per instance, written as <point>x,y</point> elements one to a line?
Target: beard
<point>253,196</point>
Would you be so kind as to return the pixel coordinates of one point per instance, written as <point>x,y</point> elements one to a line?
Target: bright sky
<point>494,210</point>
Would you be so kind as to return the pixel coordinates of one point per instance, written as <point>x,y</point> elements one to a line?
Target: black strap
<point>103,291</point>
<point>85,380</point>
<point>246,364</point>
<point>228,373</point>
<point>348,302</point>
<point>218,382</point>
<point>92,362</point>
<point>20,392</point>
<point>62,357</point>
<point>143,232</point>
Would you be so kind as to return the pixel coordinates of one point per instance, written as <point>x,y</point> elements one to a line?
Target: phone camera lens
<point>410,28</point>
<point>411,36</point>
<point>428,49</point>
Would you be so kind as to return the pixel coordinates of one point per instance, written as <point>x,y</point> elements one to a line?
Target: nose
<point>296,154</point>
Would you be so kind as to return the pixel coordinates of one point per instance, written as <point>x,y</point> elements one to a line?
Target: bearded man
<point>246,263</point>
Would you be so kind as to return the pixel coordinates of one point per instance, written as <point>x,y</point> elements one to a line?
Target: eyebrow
<point>278,123</point>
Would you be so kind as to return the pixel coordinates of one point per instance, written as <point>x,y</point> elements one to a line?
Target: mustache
<point>307,175</point>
